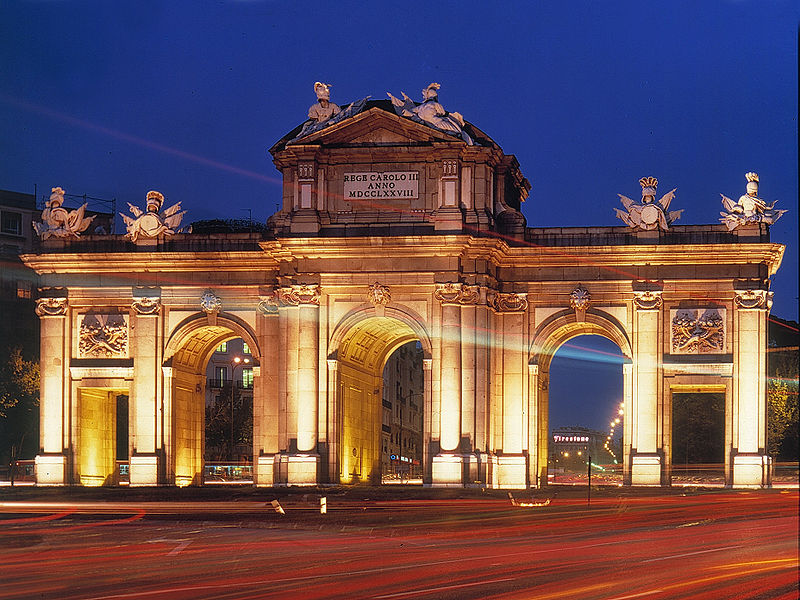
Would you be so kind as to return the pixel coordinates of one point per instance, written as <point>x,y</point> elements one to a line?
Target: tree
<point>782,406</point>
<point>19,406</point>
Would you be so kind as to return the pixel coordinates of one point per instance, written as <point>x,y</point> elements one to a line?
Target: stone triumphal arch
<point>400,222</point>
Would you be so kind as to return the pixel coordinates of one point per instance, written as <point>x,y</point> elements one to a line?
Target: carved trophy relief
<point>697,330</point>
<point>749,208</point>
<point>154,222</point>
<point>103,336</point>
<point>58,222</point>
<point>648,215</point>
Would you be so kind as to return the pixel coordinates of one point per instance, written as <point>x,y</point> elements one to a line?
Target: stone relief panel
<point>697,330</point>
<point>103,336</point>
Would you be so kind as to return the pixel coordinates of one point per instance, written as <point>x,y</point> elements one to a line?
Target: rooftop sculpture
<point>58,222</point>
<point>431,113</point>
<point>750,208</point>
<point>648,215</point>
<point>324,113</point>
<point>154,221</point>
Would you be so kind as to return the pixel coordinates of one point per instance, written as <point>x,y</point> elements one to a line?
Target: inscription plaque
<point>391,184</point>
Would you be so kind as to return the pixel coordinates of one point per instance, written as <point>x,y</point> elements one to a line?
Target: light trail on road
<point>726,544</point>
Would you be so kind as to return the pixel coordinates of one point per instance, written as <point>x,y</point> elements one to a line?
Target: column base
<point>447,470</point>
<point>143,470</point>
<point>264,473</point>
<point>301,469</point>
<point>646,469</point>
<point>512,472</point>
<point>50,469</point>
<point>751,471</point>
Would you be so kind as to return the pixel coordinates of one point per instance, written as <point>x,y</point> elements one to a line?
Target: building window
<point>223,347</point>
<point>24,289</point>
<point>246,348</point>
<point>247,378</point>
<point>11,222</point>
<point>221,374</point>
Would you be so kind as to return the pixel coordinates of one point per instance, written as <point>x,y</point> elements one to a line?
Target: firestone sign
<point>394,184</point>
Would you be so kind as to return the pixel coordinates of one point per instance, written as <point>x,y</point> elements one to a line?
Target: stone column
<point>168,450</point>
<point>512,464</point>
<point>447,464</point>
<point>646,463</point>
<point>144,397</point>
<point>536,462</point>
<point>750,459</point>
<point>302,375</point>
<point>51,462</point>
<point>265,393</point>
<point>333,421</point>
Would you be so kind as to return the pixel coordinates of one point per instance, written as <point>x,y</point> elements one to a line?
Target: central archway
<point>364,343</point>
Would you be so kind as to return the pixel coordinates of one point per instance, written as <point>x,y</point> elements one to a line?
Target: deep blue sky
<point>186,97</point>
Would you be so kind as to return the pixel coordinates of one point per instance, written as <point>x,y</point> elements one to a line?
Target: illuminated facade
<point>392,231</point>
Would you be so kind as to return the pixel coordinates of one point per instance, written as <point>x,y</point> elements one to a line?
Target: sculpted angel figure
<point>58,221</point>
<point>154,221</point>
<point>648,215</point>
<point>750,208</point>
<point>431,112</point>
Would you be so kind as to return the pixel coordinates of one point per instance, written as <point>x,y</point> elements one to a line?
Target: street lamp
<point>237,360</point>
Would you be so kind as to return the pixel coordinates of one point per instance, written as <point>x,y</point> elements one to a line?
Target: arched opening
<point>593,389</point>
<point>698,435</point>
<point>380,402</point>
<point>586,411</point>
<point>210,408</point>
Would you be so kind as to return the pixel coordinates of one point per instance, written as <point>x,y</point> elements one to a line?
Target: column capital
<point>456,294</point>
<point>508,302</point>
<point>146,305</point>
<point>753,299</point>
<point>52,306</point>
<point>298,294</point>
<point>648,299</point>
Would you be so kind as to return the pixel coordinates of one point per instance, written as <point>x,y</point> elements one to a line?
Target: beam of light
<point>127,137</point>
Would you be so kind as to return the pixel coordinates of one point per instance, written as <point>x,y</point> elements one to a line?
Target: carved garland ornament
<point>698,331</point>
<point>379,294</point>
<point>267,305</point>
<point>754,299</point>
<point>503,302</point>
<point>647,300</point>
<point>51,307</point>
<point>295,295</point>
<point>146,305</point>
<point>103,336</point>
<point>457,293</point>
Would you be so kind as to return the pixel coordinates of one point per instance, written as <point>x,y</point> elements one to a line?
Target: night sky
<point>186,97</point>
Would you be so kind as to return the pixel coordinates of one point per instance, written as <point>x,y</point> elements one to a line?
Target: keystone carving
<point>379,294</point>
<point>580,299</point>
<point>753,299</point>
<point>51,307</point>
<point>698,331</point>
<point>647,300</point>
<point>503,302</point>
<point>210,303</point>
<point>103,336</point>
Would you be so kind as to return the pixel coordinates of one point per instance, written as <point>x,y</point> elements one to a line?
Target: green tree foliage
<point>782,405</point>
<point>19,405</point>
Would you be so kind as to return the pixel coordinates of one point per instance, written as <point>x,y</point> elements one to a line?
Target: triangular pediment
<point>376,126</point>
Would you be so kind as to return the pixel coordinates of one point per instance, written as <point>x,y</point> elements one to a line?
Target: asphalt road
<point>715,544</point>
